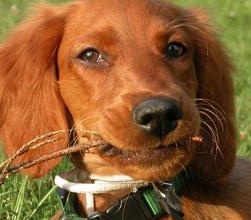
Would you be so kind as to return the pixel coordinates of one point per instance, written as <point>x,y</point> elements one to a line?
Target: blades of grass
<point>5,193</point>
<point>42,201</point>
<point>20,200</point>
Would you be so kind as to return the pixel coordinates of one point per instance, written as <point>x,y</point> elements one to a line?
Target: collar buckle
<point>168,199</point>
<point>132,206</point>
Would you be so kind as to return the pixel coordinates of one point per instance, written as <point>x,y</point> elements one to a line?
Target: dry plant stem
<point>197,139</point>
<point>5,166</point>
<point>28,146</point>
<point>50,156</point>
<point>12,170</point>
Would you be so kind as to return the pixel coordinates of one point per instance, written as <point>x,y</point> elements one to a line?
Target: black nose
<point>158,116</point>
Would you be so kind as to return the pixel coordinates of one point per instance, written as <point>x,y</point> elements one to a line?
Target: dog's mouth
<point>135,156</point>
<point>150,163</point>
<point>110,150</point>
<point>156,154</point>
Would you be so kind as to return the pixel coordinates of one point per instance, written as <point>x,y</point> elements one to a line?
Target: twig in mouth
<point>197,139</point>
<point>50,156</point>
<point>30,145</point>
<point>7,168</point>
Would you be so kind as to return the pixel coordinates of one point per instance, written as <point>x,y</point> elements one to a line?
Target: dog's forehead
<point>139,14</point>
<point>125,5</point>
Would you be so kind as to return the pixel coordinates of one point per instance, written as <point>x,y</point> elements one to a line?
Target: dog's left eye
<point>175,50</point>
<point>91,55</point>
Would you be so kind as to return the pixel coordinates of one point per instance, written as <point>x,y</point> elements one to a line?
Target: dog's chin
<point>161,163</point>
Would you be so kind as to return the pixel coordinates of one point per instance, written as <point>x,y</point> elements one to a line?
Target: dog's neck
<point>101,192</point>
<point>96,192</point>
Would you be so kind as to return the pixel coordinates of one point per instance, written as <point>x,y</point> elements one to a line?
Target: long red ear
<point>30,103</point>
<point>216,157</point>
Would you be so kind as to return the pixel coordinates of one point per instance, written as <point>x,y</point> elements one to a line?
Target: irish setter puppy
<point>145,75</point>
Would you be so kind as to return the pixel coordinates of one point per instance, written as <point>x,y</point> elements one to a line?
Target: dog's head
<point>146,76</point>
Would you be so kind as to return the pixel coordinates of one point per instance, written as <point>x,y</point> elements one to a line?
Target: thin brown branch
<point>24,148</point>
<point>5,174</point>
<point>7,168</point>
<point>51,156</point>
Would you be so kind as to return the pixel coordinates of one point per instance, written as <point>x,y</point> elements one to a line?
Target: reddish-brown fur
<point>45,87</point>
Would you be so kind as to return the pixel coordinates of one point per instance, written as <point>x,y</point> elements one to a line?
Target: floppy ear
<point>215,100</point>
<point>30,103</point>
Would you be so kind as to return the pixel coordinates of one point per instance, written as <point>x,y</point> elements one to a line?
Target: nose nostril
<point>173,114</point>
<point>157,116</point>
<point>146,119</point>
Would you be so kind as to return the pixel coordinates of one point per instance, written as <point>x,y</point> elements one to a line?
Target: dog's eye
<point>174,50</point>
<point>91,55</point>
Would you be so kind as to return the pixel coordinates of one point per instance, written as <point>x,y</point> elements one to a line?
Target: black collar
<point>146,203</point>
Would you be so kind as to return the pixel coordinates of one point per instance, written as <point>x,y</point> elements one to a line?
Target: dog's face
<point>133,82</point>
<point>144,75</point>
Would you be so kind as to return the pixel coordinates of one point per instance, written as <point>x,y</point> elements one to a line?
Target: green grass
<point>21,198</point>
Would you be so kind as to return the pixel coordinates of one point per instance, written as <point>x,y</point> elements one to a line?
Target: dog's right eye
<point>91,55</point>
<point>175,50</point>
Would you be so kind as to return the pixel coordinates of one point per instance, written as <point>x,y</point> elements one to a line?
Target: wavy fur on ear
<point>215,100</point>
<point>30,103</point>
